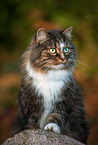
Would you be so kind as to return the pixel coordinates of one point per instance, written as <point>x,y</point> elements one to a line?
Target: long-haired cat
<point>49,98</point>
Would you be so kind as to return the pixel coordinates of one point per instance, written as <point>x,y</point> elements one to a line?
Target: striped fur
<point>49,97</point>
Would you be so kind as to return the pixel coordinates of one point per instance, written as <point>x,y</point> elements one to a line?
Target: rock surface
<point>40,137</point>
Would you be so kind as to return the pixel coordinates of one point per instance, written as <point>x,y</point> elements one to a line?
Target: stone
<point>40,137</point>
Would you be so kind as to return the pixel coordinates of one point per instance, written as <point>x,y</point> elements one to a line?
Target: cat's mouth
<point>60,66</point>
<point>63,65</point>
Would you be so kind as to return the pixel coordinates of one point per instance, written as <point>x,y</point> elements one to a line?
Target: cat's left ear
<point>68,31</point>
<point>41,35</point>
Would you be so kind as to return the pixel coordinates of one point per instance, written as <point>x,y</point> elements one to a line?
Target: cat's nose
<point>62,57</point>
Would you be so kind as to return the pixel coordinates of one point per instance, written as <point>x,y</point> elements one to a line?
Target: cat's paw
<point>52,127</point>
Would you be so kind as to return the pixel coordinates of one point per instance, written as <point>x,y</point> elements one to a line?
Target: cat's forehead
<point>60,45</point>
<point>60,40</point>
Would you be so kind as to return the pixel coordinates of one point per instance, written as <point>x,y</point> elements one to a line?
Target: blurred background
<point>19,20</point>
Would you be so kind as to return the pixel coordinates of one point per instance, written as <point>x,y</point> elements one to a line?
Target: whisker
<point>45,62</point>
<point>47,68</point>
<point>42,66</point>
<point>82,63</point>
<point>77,75</point>
<point>84,70</point>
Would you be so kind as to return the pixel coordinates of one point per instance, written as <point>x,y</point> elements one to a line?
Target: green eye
<point>66,50</point>
<point>52,50</point>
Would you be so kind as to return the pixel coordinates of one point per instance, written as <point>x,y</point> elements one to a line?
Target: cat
<point>49,98</point>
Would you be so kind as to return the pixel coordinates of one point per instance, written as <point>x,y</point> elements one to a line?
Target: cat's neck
<point>51,75</point>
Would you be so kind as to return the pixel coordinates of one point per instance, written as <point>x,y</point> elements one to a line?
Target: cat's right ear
<point>68,31</point>
<point>41,35</point>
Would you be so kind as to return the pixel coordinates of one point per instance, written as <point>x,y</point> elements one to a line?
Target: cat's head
<point>52,50</point>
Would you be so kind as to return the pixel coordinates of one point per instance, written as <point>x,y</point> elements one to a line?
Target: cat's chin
<point>59,66</point>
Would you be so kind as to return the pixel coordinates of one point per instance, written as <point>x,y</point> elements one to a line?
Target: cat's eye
<point>52,50</point>
<point>66,50</point>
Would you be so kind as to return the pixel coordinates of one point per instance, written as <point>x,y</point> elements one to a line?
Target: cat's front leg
<point>52,127</point>
<point>54,123</point>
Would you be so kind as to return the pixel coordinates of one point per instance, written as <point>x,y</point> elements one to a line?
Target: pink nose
<point>62,56</point>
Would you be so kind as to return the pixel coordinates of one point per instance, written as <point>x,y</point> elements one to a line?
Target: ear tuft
<point>68,31</point>
<point>41,35</point>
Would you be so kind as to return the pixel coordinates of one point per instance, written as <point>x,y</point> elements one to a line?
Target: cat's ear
<point>68,31</point>
<point>41,35</point>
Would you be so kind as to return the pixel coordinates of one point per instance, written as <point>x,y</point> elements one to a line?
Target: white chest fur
<point>49,87</point>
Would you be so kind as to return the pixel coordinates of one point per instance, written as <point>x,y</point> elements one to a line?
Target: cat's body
<point>49,98</point>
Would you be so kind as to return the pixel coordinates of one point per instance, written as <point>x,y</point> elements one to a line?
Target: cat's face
<point>52,50</point>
